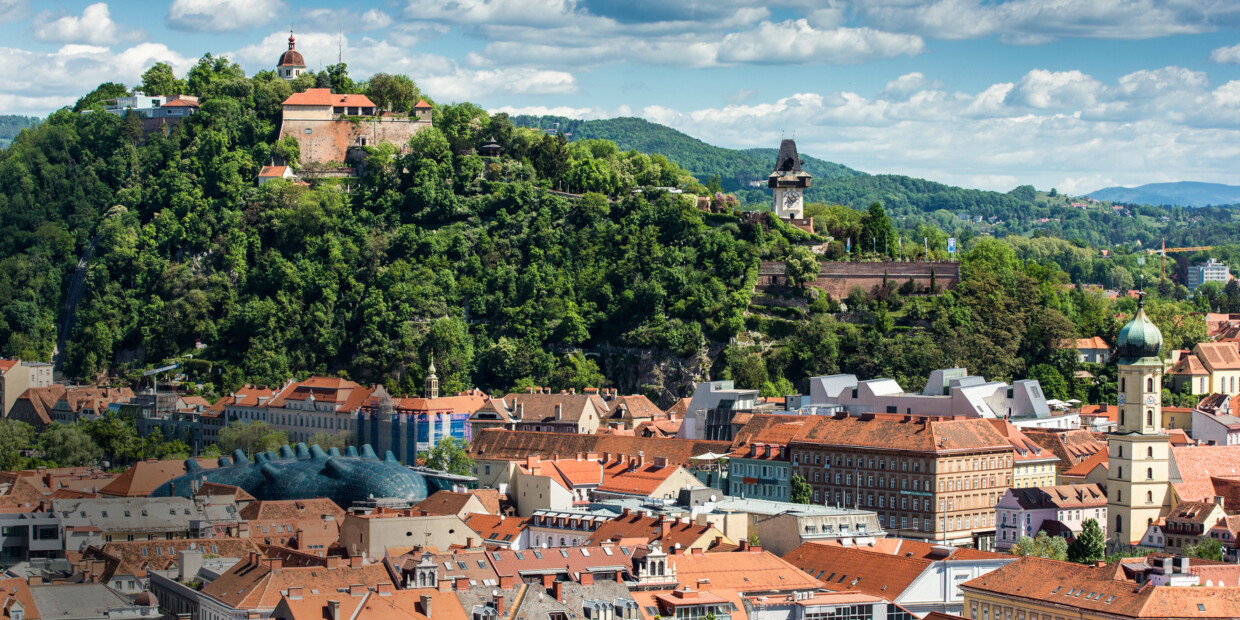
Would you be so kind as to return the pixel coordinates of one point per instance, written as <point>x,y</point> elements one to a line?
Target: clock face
<point>1123,398</point>
<point>1149,400</point>
<point>791,198</point>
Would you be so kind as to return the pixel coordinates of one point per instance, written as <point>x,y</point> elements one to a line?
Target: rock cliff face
<point>661,375</point>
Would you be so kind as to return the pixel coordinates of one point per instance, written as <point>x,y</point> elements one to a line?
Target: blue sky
<point>1072,94</point>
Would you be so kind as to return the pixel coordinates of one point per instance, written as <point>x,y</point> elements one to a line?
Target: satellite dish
<point>712,497</point>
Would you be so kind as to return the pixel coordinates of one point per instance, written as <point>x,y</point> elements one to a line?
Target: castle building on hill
<point>789,182</point>
<point>329,125</point>
<point>291,63</point>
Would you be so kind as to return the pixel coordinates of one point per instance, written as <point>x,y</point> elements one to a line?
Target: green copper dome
<point>1140,338</point>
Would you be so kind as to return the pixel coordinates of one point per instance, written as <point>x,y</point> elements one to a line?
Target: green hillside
<point>11,125</point>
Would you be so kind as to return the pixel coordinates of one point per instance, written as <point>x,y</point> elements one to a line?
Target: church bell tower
<point>1139,452</point>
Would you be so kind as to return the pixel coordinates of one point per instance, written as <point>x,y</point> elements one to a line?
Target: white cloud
<point>94,27</point>
<point>12,10</point>
<point>511,12</point>
<point>798,42</point>
<point>1044,89</point>
<point>1226,54</point>
<point>1053,129</point>
<point>222,15</point>
<point>344,19</point>
<point>51,79</point>
<point>540,110</point>
<point>442,78</point>
<point>1039,21</point>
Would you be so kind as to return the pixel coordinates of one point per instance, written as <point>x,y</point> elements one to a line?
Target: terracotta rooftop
<point>215,489</point>
<point>746,570</point>
<point>1082,469</point>
<point>6,365</point>
<point>499,444</point>
<point>1063,496</point>
<point>1092,343</point>
<point>247,396</point>
<point>272,172</point>
<point>257,582</point>
<point>292,509</point>
<point>16,589</point>
<point>1071,446</point>
<point>366,605</point>
<point>632,407</point>
<point>137,557</point>
<point>621,477</point>
<point>143,477</point>
<point>324,96</point>
<point>917,549</point>
<point>902,432</point>
<point>497,529</point>
<point>637,526</point>
<point>1196,466</point>
<point>1024,449</point>
<point>1189,365</point>
<point>1219,355</point>
<point>444,503</point>
<point>467,402</point>
<point>842,568</point>
<point>1095,589</point>
<point>571,473</point>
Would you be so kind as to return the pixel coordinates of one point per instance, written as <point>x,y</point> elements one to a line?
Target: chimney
<point>744,546</point>
<point>461,584</point>
<point>333,562</point>
<point>572,390</point>
<point>665,530</point>
<point>499,604</point>
<point>1218,501</point>
<point>529,390</point>
<point>660,461</point>
<point>357,589</point>
<point>426,605</point>
<point>384,589</point>
<point>445,585</point>
<point>696,551</point>
<point>548,580</point>
<point>333,610</point>
<point>559,411</point>
<point>505,582</point>
<point>275,563</point>
<point>294,592</point>
<point>356,561</point>
<point>586,578</point>
<point>531,461</point>
<point>557,591</point>
<point>641,458</point>
<point>626,512</point>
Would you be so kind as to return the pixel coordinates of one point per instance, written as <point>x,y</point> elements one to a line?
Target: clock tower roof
<point>788,167</point>
<point>1140,341</point>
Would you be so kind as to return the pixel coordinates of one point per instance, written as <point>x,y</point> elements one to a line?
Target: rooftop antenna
<point>339,45</point>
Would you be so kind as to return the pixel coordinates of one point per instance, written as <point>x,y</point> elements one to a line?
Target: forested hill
<point>1183,193</point>
<point>11,125</point>
<point>736,169</point>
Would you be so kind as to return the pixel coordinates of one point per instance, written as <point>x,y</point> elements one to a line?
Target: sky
<point>1068,94</point>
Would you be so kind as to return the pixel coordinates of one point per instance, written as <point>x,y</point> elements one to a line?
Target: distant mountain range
<point>11,125</point>
<point>1183,193</point>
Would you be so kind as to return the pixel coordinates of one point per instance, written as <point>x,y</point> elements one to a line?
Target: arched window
<point>1149,384</point>
<point>1119,496</point>
<point>1121,417</point>
<point>1119,523</point>
<point>1149,417</point>
<point>1149,452</point>
<point>1149,473</point>
<point>1149,497</point>
<point>1122,384</point>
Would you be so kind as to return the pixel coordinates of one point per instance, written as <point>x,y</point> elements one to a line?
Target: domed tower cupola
<point>291,63</point>
<point>1139,341</point>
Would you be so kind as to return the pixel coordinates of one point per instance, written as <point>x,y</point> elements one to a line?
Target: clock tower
<point>1139,452</point>
<point>789,182</point>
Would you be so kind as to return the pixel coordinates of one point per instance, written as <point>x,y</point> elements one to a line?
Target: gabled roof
<point>223,490</point>
<point>143,477</point>
<point>619,477</point>
<point>1063,496</point>
<point>15,589</point>
<point>445,503</point>
<point>272,172</point>
<point>247,396</point>
<point>421,104</point>
<point>324,96</point>
<point>1192,512</point>
<point>907,548</point>
<point>1189,365</point>
<point>1071,446</point>
<point>6,365</point>
<point>281,510</point>
<point>637,526</point>
<point>571,473</point>
<point>1082,469</point>
<point>1218,355</point>
<point>467,402</point>
<point>1196,465</point>
<point>842,568</point>
<point>902,432</point>
<point>1024,449</point>
<point>497,529</point>
<point>137,557</point>
<point>500,444</point>
<point>632,407</point>
<point>254,584</point>
<point>1098,589</point>
<point>1092,343</point>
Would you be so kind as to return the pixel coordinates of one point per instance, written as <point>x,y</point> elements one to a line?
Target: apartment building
<point>935,479</point>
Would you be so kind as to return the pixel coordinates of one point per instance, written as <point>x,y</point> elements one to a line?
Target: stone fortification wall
<point>836,279</point>
<point>325,141</point>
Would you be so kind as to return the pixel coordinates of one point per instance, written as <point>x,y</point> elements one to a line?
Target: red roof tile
<point>324,96</point>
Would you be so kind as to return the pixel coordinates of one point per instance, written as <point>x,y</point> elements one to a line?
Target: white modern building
<point>1209,271</point>
<point>948,392</point>
<point>710,411</point>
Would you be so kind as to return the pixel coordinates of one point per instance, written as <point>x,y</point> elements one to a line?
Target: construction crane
<point>1163,253</point>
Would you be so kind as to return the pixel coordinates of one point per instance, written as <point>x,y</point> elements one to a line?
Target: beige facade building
<point>373,532</point>
<point>17,376</point>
